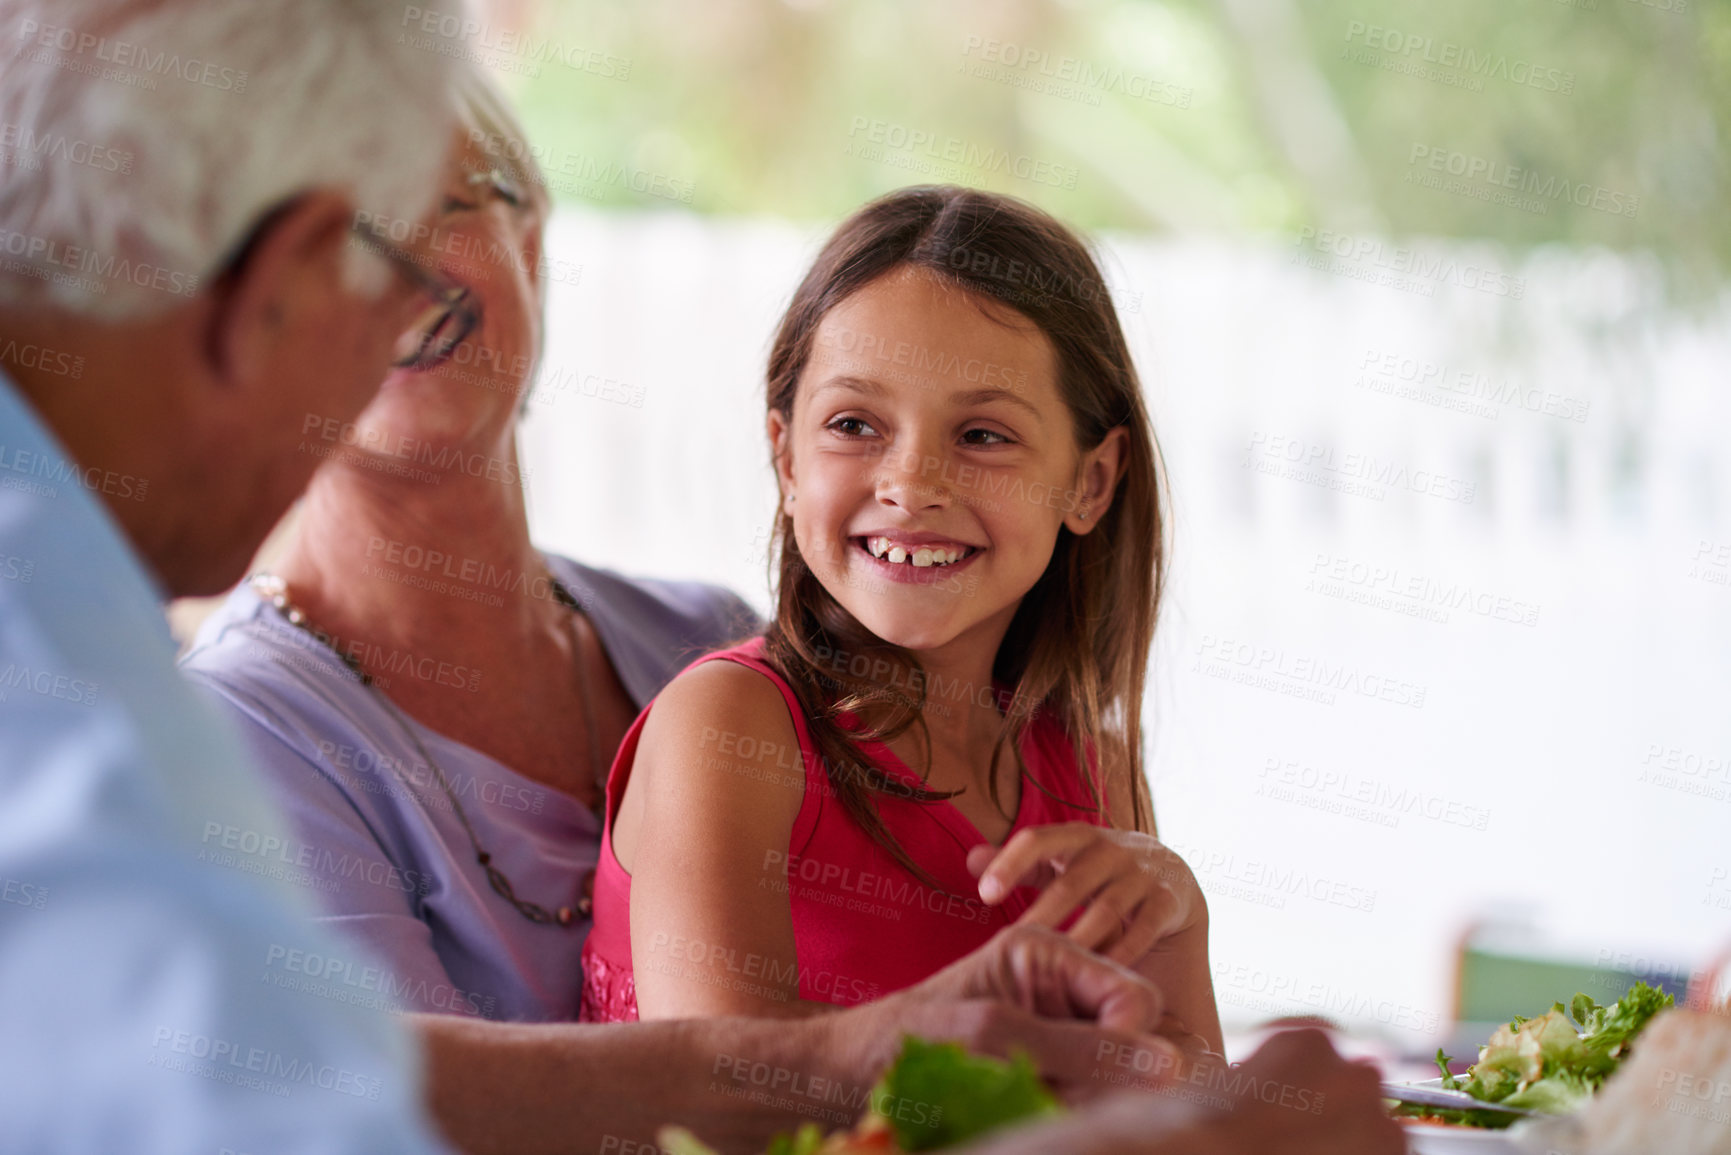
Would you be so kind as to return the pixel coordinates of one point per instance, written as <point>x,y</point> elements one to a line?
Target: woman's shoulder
<point>691,608</point>
<point>247,647</point>
<point>290,693</point>
<point>653,627</point>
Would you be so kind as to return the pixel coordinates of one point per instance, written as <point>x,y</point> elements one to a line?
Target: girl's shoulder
<point>729,707</point>
<point>721,757</point>
<point>733,682</point>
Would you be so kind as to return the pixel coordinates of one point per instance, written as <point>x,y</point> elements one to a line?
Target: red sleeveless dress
<point>863,925</point>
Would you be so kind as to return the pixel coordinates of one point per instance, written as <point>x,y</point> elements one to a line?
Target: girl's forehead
<point>909,324</point>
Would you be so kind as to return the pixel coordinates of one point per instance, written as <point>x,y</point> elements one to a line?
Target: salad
<point>934,1095</point>
<point>1552,1063</point>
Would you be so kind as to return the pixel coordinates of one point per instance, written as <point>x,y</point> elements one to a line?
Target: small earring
<point>1083,514</point>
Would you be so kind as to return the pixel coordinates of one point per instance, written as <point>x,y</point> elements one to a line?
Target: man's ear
<point>1097,481</point>
<point>290,274</point>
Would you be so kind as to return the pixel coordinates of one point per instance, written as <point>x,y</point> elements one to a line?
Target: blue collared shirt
<point>162,986</point>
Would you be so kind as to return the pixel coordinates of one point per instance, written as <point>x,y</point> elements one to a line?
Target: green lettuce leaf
<point>804,1141</point>
<point>679,1141</point>
<point>1449,1079</point>
<point>938,1095</point>
<point>1554,1062</point>
<point>1606,1038</point>
<point>1556,1094</point>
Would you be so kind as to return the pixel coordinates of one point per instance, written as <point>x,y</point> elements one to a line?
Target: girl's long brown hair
<point>1078,646</point>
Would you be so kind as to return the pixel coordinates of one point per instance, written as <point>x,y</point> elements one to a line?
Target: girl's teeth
<point>922,556</point>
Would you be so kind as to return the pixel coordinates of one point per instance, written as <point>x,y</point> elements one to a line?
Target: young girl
<point>938,734</point>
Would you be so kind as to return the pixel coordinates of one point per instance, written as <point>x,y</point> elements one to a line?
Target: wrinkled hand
<point>1295,1096</point>
<point>1137,893</point>
<point>1345,1115</point>
<point>1047,975</point>
<point>1029,989</point>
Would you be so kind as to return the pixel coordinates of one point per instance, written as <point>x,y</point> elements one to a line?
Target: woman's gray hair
<point>492,125</point>
<point>142,140</point>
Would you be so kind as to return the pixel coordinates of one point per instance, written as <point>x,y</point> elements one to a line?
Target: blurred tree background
<point>1225,117</point>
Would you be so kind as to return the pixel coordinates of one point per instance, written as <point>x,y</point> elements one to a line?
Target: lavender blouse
<point>377,842</point>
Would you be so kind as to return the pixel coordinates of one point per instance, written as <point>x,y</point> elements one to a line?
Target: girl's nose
<point>913,480</point>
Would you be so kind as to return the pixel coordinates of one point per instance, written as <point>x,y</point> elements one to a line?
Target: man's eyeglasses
<point>448,318</point>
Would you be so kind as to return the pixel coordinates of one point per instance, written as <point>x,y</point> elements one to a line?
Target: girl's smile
<point>914,558</point>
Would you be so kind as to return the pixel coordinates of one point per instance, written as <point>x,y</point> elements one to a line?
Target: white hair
<point>140,142</point>
<point>486,114</point>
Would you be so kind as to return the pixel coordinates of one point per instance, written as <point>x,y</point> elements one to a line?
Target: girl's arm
<point>1177,964</point>
<point>703,829</point>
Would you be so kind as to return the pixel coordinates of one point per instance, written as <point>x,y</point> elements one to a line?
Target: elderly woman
<point>436,700</point>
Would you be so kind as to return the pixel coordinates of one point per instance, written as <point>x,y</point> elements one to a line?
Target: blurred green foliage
<point>1226,117</point>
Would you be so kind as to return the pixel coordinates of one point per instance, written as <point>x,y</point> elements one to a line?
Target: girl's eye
<point>851,427</point>
<point>979,436</point>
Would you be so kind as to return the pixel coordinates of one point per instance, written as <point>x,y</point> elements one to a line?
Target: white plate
<point>1427,1139</point>
<point>1443,1139</point>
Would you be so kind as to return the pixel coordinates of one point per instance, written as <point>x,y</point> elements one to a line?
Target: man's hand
<point>1346,1116</point>
<point>1295,1096</point>
<point>1031,989</point>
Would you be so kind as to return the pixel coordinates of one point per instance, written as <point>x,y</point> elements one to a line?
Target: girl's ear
<point>780,431</point>
<point>1097,481</point>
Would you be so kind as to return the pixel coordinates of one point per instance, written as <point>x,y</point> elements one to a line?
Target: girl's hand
<point>1137,892</point>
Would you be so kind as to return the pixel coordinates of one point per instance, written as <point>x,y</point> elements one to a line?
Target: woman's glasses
<point>500,185</point>
<point>450,315</point>
<point>446,321</point>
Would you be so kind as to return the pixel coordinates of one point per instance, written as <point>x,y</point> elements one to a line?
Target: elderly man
<point>178,287</point>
